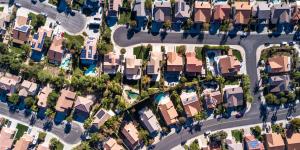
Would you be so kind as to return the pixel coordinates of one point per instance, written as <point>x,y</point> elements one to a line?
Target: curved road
<point>123,38</point>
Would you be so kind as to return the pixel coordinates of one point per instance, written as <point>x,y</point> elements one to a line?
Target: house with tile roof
<point>149,120</point>
<point>9,83</point>
<point>43,96</point>
<point>162,11</point>
<point>221,12</point>
<point>229,65</point>
<point>24,142</point>
<point>168,112</point>
<point>242,12</point>
<point>279,64</point>
<point>111,144</point>
<point>292,141</point>
<point>281,13</point>
<point>193,65</point>
<point>82,107</point>
<point>296,12</point>
<point>6,138</point>
<point>111,63</point>
<point>202,12</point>
<point>64,104</point>
<point>43,146</point>
<point>234,97</point>
<point>88,54</point>
<point>212,98</point>
<point>114,7</point>
<point>153,65</point>
<point>56,51</point>
<point>28,88</point>
<point>174,62</point>
<point>279,83</point>
<point>133,68</point>
<point>182,11</point>
<point>251,143</point>
<point>274,141</point>
<point>233,145</point>
<point>4,22</point>
<point>21,30</point>
<point>37,42</point>
<point>139,13</point>
<point>262,11</point>
<point>191,103</point>
<point>131,134</point>
<point>101,117</point>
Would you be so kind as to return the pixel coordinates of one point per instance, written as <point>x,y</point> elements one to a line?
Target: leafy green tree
<point>291,97</point>
<point>148,4</point>
<point>132,24</point>
<point>52,99</point>
<point>26,49</point>
<point>87,123</point>
<point>14,99</point>
<point>194,145</point>
<point>200,116</point>
<point>44,76</point>
<point>167,24</point>
<point>29,101</point>
<point>123,51</point>
<point>270,98</point>
<point>295,124</point>
<point>3,48</point>
<point>83,146</point>
<point>144,135</point>
<point>256,131</point>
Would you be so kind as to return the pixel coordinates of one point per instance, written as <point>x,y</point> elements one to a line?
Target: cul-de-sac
<point>149,74</point>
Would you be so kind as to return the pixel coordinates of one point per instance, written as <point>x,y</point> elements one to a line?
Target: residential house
<point>82,107</point>
<point>111,63</point>
<point>229,65</point>
<point>296,13</point>
<point>139,12</point>
<point>133,68</point>
<point>56,51</point>
<point>113,8</point>
<point>202,12</point>
<point>182,11</point>
<point>221,12</point>
<point>111,144</point>
<point>153,65</point>
<point>9,83</point>
<point>6,138</point>
<point>64,104</point>
<point>162,11</point>
<point>233,145</point>
<point>101,117</point>
<point>149,120</point>
<point>43,146</point>
<point>168,112</point>
<point>279,83</point>
<point>242,13</point>
<point>4,22</point>
<point>21,30</point>
<point>28,88</point>
<point>251,143</point>
<point>191,103</point>
<point>88,55</point>
<point>279,64</point>
<point>193,65</point>
<point>92,5</point>
<point>174,62</point>
<point>234,96</point>
<point>37,42</point>
<point>292,141</point>
<point>281,13</point>
<point>274,141</point>
<point>131,135</point>
<point>262,11</point>
<point>212,98</point>
<point>24,142</point>
<point>43,96</point>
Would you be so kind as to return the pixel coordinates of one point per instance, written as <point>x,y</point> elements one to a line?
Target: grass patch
<point>141,52</point>
<point>198,51</point>
<point>124,18</point>
<point>180,49</point>
<point>21,130</point>
<point>237,54</point>
<point>238,135</point>
<point>53,2</point>
<point>1,9</point>
<point>276,50</point>
<point>77,38</point>
<point>231,82</point>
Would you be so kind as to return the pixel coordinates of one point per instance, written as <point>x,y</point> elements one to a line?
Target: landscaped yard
<point>198,51</point>
<point>237,54</point>
<point>21,130</point>
<point>124,18</point>
<point>141,52</point>
<point>276,50</point>
<point>238,135</point>
<point>1,9</point>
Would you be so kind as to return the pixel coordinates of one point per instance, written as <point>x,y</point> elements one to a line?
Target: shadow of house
<point>281,16</point>
<point>92,5</point>
<point>64,105</point>
<point>202,12</point>
<point>181,14</point>
<point>63,5</point>
<point>279,84</point>
<point>139,13</point>
<point>161,12</point>
<point>82,108</point>
<point>113,12</point>
<point>262,12</point>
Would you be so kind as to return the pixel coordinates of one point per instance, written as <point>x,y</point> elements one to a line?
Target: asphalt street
<point>124,38</point>
<point>72,24</point>
<point>73,137</point>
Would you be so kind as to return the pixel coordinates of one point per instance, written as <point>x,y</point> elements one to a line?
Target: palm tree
<point>167,25</point>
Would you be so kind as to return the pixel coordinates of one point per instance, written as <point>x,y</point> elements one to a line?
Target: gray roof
<point>281,13</point>
<point>263,10</point>
<point>149,120</point>
<point>139,8</point>
<point>181,9</point>
<point>234,96</point>
<point>162,11</point>
<point>279,83</point>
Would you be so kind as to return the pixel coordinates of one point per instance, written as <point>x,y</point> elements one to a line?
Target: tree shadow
<point>163,35</point>
<point>130,33</point>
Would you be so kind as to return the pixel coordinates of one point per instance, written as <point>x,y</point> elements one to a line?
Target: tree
<point>194,145</point>
<point>14,99</point>
<point>148,4</point>
<point>291,96</point>
<point>42,136</point>
<point>69,119</point>
<point>26,49</point>
<point>52,99</point>
<point>44,76</point>
<point>132,24</point>
<point>270,98</point>
<point>55,144</point>
<point>167,24</point>
<point>144,135</point>
<point>83,146</point>
<point>256,131</point>
<point>29,101</point>
<point>123,51</point>
<point>200,116</point>
<point>295,124</point>
<point>145,81</point>
<point>87,123</point>
<point>182,120</point>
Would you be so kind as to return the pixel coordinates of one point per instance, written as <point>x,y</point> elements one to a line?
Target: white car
<point>207,133</point>
<point>18,4</point>
<point>283,43</point>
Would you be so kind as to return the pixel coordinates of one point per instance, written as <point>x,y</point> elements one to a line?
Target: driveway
<point>73,24</point>
<point>124,38</point>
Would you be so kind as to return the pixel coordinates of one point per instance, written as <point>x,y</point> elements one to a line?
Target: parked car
<point>58,22</point>
<point>18,5</point>
<point>267,44</point>
<point>289,117</point>
<point>291,43</point>
<point>283,43</point>
<point>207,133</point>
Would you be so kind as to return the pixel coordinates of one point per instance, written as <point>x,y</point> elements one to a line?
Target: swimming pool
<point>132,95</point>
<point>91,71</point>
<point>161,98</point>
<point>66,63</point>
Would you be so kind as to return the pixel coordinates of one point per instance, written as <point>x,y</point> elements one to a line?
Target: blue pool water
<point>132,95</point>
<point>159,97</point>
<point>65,63</point>
<point>91,71</point>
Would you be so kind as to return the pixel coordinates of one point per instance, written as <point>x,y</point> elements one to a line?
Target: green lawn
<point>237,54</point>
<point>198,51</point>
<point>141,52</point>
<point>1,9</point>
<point>238,135</point>
<point>21,130</point>
<point>124,18</point>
